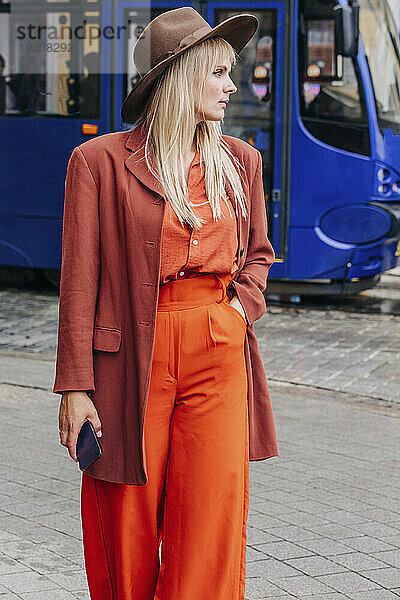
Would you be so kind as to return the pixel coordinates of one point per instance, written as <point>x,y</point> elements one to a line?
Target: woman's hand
<point>235,302</point>
<point>75,408</point>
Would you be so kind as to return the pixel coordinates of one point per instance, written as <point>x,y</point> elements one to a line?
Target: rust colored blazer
<point>111,253</point>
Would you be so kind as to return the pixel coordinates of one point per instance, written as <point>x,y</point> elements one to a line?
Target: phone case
<point>88,448</point>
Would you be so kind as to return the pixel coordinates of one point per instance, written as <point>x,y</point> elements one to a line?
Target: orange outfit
<point>196,436</point>
<point>212,248</point>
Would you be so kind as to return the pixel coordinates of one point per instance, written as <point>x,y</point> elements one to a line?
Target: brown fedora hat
<point>170,34</point>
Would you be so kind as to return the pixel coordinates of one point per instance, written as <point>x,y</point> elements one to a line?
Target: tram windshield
<point>332,102</point>
<point>382,49</point>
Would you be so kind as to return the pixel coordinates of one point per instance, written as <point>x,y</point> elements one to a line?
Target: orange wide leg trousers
<point>195,502</point>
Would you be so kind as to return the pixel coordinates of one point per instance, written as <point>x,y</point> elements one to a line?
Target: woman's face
<point>217,88</point>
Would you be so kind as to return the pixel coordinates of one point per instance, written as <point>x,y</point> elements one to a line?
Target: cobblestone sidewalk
<point>333,350</point>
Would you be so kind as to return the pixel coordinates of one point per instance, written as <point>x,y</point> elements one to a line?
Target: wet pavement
<point>324,519</point>
<point>384,298</point>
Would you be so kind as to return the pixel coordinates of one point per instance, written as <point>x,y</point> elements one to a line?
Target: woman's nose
<point>231,87</point>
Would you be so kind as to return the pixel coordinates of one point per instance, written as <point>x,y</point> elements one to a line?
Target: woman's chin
<point>218,116</point>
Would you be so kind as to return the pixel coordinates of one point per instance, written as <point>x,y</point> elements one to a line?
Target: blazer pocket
<point>106,339</point>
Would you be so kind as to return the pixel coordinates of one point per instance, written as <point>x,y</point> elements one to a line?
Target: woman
<point>165,260</point>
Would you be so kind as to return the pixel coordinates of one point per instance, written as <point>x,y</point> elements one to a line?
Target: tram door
<point>132,17</point>
<point>254,111</point>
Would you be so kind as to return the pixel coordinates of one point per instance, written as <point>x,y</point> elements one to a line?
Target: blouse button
<point>181,273</point>
<point>195,242</point>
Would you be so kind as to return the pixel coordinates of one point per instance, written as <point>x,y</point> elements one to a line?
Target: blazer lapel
<point>136,161</point>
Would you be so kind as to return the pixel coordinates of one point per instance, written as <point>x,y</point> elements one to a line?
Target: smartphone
<point>88,447</point>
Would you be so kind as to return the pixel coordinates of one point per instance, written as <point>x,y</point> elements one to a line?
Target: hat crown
<point>168,36</point>
<point>167,33</point>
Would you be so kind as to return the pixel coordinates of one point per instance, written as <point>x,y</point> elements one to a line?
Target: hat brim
<point>237,30</point>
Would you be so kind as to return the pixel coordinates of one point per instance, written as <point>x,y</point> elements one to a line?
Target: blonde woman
<point>165,260</point>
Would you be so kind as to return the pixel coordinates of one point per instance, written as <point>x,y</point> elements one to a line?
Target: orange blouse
<point>212,248</point>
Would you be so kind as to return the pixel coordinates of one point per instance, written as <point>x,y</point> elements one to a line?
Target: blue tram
<point>318,95</point>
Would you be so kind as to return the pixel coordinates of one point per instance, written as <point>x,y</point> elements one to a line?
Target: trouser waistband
<point>193,291</point>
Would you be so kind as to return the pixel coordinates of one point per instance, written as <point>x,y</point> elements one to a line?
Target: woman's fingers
<point>94,419</point>
<point>68,438</point>
<point>75,409</point>
<point>62,428</point>
<point>63,431</point>
<point>71,441</point>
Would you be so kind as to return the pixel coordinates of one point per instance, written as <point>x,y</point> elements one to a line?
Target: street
<point>324,520</point>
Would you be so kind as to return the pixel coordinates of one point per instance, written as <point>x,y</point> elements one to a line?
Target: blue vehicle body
<point>337,230</point>
<point>333,213</point>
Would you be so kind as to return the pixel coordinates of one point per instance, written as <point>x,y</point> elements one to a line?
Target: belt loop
<point>222,277</point>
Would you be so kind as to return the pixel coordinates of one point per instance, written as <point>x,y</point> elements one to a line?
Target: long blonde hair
<point>170,118</point>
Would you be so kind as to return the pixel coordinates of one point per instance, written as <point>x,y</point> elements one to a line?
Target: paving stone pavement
<point>344,352</point>
<point>324,520</point>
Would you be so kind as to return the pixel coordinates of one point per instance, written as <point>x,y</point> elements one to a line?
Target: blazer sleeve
<point>251,281</point>
<point>79,281</point>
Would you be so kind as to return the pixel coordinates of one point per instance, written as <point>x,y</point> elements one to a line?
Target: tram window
<point>382,49</point>
<point>45,69</point>
<point>332,104</point>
